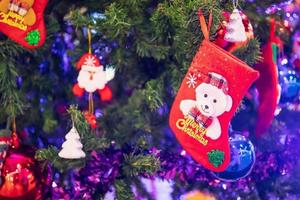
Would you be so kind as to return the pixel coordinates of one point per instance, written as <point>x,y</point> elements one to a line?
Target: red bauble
<point>230,46</point>
<point>22,177</point>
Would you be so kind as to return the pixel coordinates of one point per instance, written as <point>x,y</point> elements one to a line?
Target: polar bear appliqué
<point>212,101</point>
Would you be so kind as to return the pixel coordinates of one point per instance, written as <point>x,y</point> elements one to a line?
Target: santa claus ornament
<point>93,77</point>
<point>207,100</point>
<point>23,21</point>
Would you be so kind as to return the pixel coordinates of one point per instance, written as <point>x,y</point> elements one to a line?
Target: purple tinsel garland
<point>278,161</point>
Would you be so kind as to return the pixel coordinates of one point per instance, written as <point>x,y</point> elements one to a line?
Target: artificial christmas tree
<point>151,44</point>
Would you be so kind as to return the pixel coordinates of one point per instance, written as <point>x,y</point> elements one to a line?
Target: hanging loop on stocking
<point>205,27</point>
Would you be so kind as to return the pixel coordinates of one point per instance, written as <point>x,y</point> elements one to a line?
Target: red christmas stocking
<point>267,84</point>
<point>207,100</point>
<point>23,21</point>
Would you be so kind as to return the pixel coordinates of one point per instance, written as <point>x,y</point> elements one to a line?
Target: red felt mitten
<point>23,21</point>
<point>77,91</point>
<point>105,94</point>
<point>207,100</point>
<point>267,84</point>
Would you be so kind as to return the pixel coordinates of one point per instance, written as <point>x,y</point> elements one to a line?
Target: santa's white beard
<point>98,80</point>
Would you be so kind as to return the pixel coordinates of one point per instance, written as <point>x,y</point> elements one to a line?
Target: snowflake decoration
<point>192,80</point>
<point>236,158</point>
<point>90,61</point>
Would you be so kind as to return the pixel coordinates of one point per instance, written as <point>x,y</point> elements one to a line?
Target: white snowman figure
<point>212,100</point>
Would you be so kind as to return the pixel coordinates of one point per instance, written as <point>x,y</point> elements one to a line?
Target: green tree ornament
<point>33,37</point>
<point>216,157</point>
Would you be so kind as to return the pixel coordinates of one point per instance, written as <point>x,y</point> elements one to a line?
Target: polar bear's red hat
<point>218,81</point>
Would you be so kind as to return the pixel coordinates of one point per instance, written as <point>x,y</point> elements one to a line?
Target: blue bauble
<point>290,85</point>
<point>242,159</point>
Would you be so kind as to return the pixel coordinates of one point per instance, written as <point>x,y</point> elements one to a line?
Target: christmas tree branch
<point>89,140</point>
<point>140,164</point>
<point>250,53</point>
<point>123,190</point>
<point>63,165</point>
<point>11,102</point>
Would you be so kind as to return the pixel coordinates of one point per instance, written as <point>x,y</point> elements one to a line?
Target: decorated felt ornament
<point>235,30</point>
<point>206,103</point>
<point>72,147</point>
<point>222,30</point>
<point>92,77</point>
<point>267,85</point>
<point>23,21</point>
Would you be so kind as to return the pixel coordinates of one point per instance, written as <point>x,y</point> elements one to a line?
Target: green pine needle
<point>63,165</point>
<point>250,53</point>
<point>123,190</point>
<point>140,164</point>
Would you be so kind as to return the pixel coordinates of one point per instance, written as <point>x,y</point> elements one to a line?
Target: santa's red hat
<point>89,62</point>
